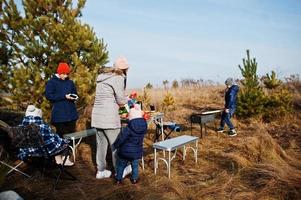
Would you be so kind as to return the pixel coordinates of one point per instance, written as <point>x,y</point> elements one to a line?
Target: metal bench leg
<point>155,160</point>
<point>201,129</point>
<point>196,152</point>
<point>157,134</point>
<point>161,125</point>
<point>169,160</point>
<point>73,147</point>
<point>142,161</point>
<point>168,134</point>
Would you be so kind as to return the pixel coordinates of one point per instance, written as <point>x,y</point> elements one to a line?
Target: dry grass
<point>262,162</point>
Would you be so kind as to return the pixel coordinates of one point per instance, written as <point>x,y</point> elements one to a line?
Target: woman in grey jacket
<point>110,95</point>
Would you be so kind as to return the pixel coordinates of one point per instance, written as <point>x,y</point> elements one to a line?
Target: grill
<point>202,119</point>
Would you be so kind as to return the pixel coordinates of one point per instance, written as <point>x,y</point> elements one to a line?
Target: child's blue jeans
<point>121,165</point>
<point>226,119</point>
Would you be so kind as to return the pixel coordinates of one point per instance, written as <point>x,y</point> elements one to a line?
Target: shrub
<point>271,81</point>
<point>253,100</point>
<point>168,102</point>
<point>145,98</point>
<point>277,104</point>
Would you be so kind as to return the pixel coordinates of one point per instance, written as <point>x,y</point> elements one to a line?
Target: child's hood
<point>138,125</point>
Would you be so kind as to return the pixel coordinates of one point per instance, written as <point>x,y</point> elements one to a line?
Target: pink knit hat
<point>121,63</point>
<point>135,112</point>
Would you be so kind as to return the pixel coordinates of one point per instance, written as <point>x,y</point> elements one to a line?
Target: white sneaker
<point>68,162</point>
<point>127,171</point>
<point>232,133</point>
<point>103,174</point>
<point>58,159</point>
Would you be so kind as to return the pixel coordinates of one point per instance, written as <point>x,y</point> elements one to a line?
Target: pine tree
<point>145,98</point>
<point>149,86</point>
<point>271,81</point>
<point>251,97</point>
<point>168,102</point>
<point>278,98</point>
<point>46,33</point>
<point>175,84</point>
<point>4,69</point>
<point>165,84</point>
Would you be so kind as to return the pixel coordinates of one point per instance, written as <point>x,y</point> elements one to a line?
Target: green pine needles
<point>251,96</point>
<point>267,98</point>
<point>35,40</point>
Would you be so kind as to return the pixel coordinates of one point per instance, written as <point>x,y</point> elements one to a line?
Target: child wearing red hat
<point>62,94</point>
<point>63,68</point>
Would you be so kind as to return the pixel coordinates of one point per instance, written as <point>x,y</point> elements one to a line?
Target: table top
<point>81,134</point>
<point>174,143</point>
<point>153,116</point>
<point>211,112</point>
<point>156,115</point>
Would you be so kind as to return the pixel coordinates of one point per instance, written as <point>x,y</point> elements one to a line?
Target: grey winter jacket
<point>109,95</point>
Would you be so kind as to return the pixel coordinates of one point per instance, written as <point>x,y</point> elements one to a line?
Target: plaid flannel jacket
<point>52,141</point>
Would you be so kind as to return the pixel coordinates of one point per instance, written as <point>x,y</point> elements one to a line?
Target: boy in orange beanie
<point>59,90</point>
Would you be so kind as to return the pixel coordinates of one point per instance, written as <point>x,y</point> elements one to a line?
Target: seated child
<point>52,140</point>
<point>129,144</point>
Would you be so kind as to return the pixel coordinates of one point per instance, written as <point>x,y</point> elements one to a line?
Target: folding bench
<point>166,131</point>
<point>172,145</point>
<point>78,136</point>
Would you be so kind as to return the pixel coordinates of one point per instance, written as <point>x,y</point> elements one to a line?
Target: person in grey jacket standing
<point>110,95</point>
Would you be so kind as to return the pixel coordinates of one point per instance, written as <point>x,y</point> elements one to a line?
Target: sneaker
<point>220,130</point>
<point>232,132</point>
<point>118,182</point>
<point>68,161</point>
<point>103,174</point>
<point>134,181</point>
<point>127,171</point>
<point>58,159</point>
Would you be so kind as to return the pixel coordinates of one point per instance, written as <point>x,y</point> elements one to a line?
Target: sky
<point>198,39</point>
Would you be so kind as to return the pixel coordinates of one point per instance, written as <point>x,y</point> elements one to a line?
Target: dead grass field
<point>261,162</point>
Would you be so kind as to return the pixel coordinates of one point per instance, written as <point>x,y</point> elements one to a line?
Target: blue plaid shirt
<point>52,141</point>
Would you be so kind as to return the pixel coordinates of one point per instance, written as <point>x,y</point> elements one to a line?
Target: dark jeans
<point>121,165</point>
<point>226,119</point>
<point>64,127</point>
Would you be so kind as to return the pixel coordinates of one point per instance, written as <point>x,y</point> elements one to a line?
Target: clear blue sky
<point>207,39</point>
<point>197,39</point>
